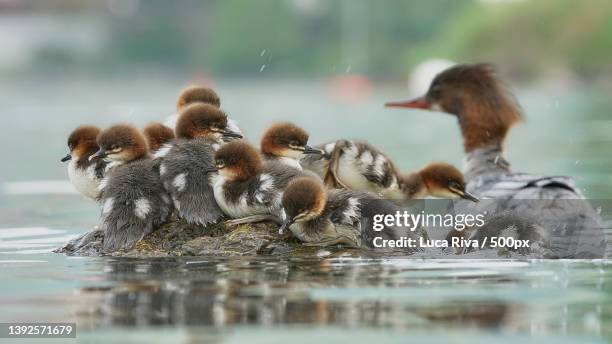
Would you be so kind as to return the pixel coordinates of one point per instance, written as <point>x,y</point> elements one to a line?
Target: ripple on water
<point>31,240</point>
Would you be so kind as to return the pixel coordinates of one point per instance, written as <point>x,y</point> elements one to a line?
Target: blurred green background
<point>308,38</point>
<point>327,65</point>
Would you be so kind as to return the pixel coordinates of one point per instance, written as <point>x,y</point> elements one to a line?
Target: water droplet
<point>263,52</point>
<point>262,68</point>
<point>348,69</point>
<point>598,210</point>
<point>577,162</point>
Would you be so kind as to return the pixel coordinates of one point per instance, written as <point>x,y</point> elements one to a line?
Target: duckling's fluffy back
<point>183,173</point>
<point>134,204</point>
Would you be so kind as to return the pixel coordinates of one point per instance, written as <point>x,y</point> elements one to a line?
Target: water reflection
<point>401,294</point>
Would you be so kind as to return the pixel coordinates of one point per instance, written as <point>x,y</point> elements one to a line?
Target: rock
<point>178,238</point>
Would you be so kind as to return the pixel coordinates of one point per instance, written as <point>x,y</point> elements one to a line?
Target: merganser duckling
<point>134,202</point>
<point>157,135</point>
<point>320,217</point>
<point>246,188</point>
<point>286,143</point>
<point>437,179</point>
<point>360,166</point>
<point>486,110</point>
<point>184,162</point>
<point>199,94</point>
<point>353,165</point>
<point>85,175</point>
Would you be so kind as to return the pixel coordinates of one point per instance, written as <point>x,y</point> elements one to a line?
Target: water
<point>329,297</point>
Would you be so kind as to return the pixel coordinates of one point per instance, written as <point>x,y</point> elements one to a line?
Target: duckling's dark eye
<point>454,184</point>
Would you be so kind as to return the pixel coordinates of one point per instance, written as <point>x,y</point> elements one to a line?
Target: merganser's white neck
<point>485,160</point>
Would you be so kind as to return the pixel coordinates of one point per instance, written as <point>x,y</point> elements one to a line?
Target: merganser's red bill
<point>418,103</point>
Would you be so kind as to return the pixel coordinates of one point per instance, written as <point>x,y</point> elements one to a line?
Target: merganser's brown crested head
<point>82,143</point>
<point>238,161</point>
<point>203,120</point>
<point>157,135</point>
<point>197,94</point>
<point>485,108</point>
<point>438,180</point>
<point>286,140</point>
<point>121,142</point>
<point>304,199</point>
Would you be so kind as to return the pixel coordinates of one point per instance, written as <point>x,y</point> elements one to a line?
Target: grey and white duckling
<point>84,174</point>
<point>486,110</point>
<point>246,188</point>
<point>355,165</point>
<point>157,136</point>
<point>133,200</point>
<point>286,143</point>
<point>358,165</point>
<point>184,162</point>
<point>198,94</point>
<point>320,217</point>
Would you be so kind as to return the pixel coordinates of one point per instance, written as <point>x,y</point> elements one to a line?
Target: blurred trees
<point>311,38</point>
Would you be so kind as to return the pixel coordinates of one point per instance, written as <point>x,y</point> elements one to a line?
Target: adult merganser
<point>157,135</point>
<point>486,110</point>
<point>322,217</point>
<point>85,175</point>
<point>358,165</point>
<point>198,94</point>
<point>133,200</point>
<point>184,162</point>
<point>245,187</point>
<point>286,143</point>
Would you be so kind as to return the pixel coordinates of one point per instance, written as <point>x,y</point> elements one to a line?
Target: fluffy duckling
<point>247,189</point>
<point>84,174</point>
<point>352,165</point>
<point>157,135</point>
<point>184,162</point>
<point>437,179</point>
<point>486,110</point>
<point>134,202</point>
<point>198,94</point>
<point>286,143</point>
<point>322,217</point>
<point>360,166</point>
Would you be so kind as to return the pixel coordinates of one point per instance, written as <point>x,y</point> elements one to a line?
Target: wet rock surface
<point>177,238</point>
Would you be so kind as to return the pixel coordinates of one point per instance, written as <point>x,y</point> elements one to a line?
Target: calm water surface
<point>332,296</point>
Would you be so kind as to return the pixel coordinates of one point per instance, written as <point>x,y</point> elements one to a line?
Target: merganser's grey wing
<point>572,227</point>
<point>183,172</point>
<point>524,186</point>
<point>134,204</point>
